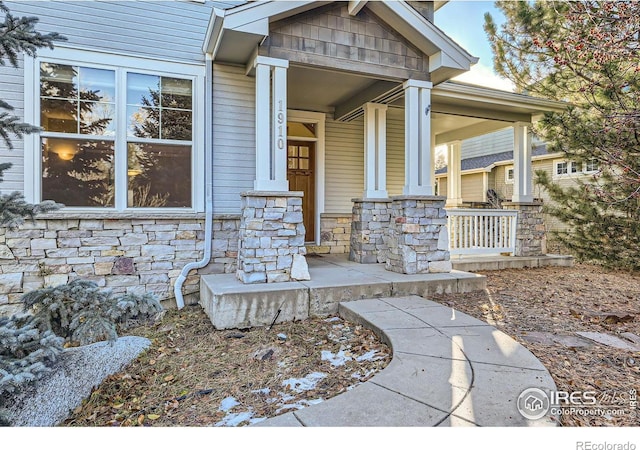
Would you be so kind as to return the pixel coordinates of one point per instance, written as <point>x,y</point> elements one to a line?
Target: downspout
<point>208,182</point>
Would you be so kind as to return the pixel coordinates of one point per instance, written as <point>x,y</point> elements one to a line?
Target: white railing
<point>481,231</point>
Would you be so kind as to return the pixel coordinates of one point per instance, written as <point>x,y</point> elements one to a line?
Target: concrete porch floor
<point>334,279</point>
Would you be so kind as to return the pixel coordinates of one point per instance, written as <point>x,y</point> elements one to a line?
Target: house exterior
<point>487,165</point>
<point>193,137</point>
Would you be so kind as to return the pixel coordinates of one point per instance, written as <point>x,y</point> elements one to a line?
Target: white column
<point>522,172</point>
<point>454,175</point>
<point>375,151</point>
<point>271,124</point>
<point>419,172</point>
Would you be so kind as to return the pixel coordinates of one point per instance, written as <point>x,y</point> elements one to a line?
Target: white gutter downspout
<point>208,182</point>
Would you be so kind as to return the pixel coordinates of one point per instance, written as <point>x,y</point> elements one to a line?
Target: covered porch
<point>335,279</point>
<point>346,126</point>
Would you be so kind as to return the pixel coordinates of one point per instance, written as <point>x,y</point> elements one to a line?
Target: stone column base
<point>418,236</point>
<point>531,238</point>
<point>369,227</point>
<point>271,238</point>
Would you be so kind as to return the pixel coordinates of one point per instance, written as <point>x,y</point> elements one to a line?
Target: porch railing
<point>481,231</point>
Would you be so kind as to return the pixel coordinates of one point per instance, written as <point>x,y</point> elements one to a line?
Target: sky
<point>462,20</point>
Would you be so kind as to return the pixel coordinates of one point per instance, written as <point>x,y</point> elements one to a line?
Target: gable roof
<point>487,161</point>
<point>234,33</point>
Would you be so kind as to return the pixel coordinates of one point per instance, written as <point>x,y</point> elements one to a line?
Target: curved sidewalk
<point>448,369</point>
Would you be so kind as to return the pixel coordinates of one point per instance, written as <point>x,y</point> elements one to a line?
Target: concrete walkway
<point>448,369</point>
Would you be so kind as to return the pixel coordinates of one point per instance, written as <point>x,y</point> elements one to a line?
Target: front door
<point>300,165</point>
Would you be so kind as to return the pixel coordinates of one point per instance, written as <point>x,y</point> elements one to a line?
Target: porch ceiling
<point>459,111</point>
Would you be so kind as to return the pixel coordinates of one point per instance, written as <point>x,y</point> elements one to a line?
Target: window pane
<point>561,168</point>
<point>143,89</point>
<point>143,122</point>
<point>97,84</point>
<point>574,167</point>
<point>176,93</point>
<point>176,124</point>
<point>304,152</point>
<point>293,150</point>
<point>304,164</point>
<point>58,80</point>
<point>97,118</point>
<point>59,115</point>
<point>78,172</point>
<point>293,163</point>
<point>159,175</point>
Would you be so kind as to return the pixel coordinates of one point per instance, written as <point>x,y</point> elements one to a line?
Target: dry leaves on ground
<point>544,308</point>
<point>194,375</point>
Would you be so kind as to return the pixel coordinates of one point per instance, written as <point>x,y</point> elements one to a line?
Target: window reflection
<point>78,172</point>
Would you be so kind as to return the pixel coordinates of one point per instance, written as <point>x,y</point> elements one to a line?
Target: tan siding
<point>234,165</point>
<point>442,186</point>
<point>504,189</point>
<point>395,151</point>
<point>344,164</point>
<point>472,188</point>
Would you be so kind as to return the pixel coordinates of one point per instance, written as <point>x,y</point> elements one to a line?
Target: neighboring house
<point>487,165</point>
<point>232,137</point>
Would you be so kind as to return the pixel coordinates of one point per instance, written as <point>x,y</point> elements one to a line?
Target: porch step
<point>482,263</point>
<point>231,304</point>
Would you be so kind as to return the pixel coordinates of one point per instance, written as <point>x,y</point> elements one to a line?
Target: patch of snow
<point>304,384</point>
<point>282,336</point>
<point>265,391</point>
<point>332,319</point>
<point>299,405</point>
<point>257,420</point>
<point>337,359</point>
<point>228,403</point>
<point>369,356</point>
<point>234,419</point>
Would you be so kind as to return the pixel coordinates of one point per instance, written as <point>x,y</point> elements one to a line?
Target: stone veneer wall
<point>122,254</point>
<point>418,236</point>
<point>335,234</point>
<point>369,231</point>
<point>530,230</point>
<point>271,245</point>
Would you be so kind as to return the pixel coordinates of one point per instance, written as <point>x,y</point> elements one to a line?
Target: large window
<point>115,137</point>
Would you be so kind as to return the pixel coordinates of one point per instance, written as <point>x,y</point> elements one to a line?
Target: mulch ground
<point>194,375</point>
<point>544,308</point>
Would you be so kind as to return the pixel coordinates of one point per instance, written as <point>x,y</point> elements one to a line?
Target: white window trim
<point>508,180</point>
<point>582,169</point>
<point>32,156</point>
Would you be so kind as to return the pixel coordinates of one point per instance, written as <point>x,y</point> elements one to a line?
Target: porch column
<point>375,150</point>
<point>522,172</point>
<point>418,160</point>
<point>271,124</point>
<point>454,175</point>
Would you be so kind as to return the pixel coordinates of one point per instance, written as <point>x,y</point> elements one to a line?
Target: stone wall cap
<point>373,200</point>
<point>114,215</point>
<point>227,216</point>
<point>434,198</point>
<point>272,194</point>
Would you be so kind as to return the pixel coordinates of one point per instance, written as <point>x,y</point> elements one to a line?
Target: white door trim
<point>319,120</point>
